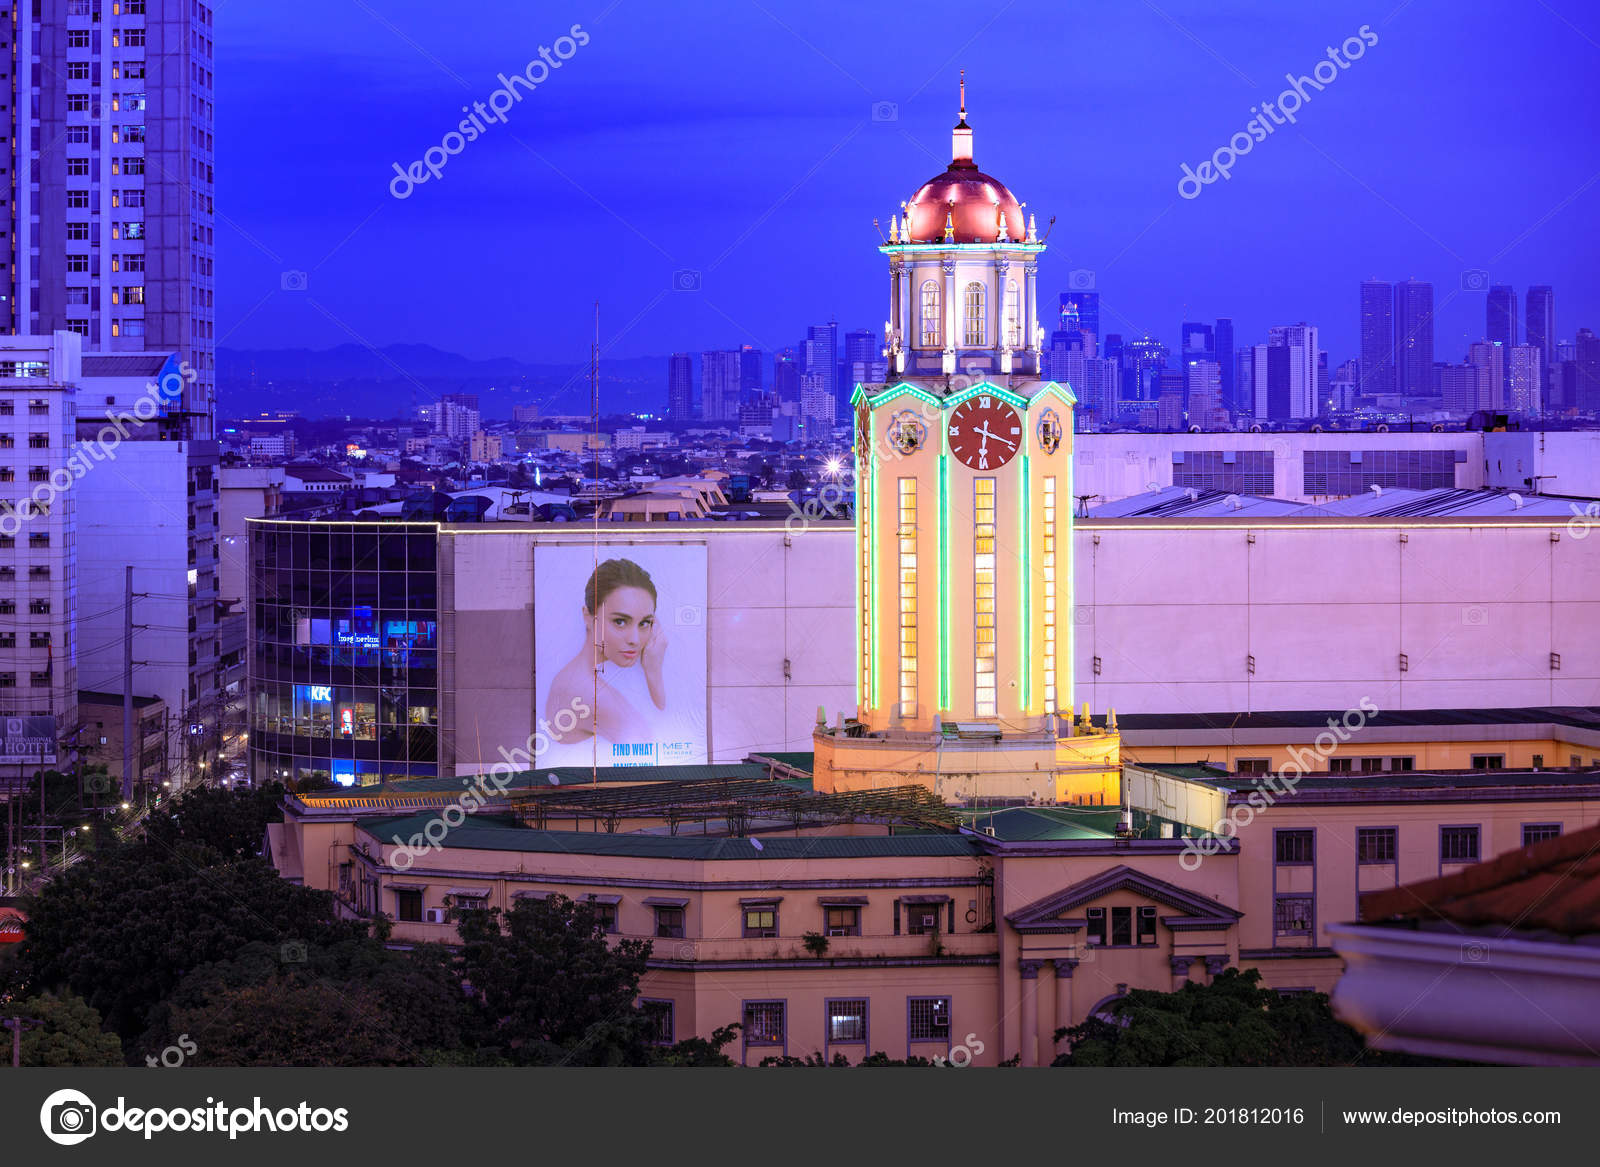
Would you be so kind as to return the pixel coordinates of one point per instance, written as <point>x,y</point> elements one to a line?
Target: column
<point>1030,1012</point>
<point>1030,314</point>
<point>1180,971</point>
<point>1216,963</point>
<point>1064,969</point>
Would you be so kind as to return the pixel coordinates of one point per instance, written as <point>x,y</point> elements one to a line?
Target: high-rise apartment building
<point>457,416</point>
<point>680,387</point>
<point>1586,356</point>
<point>751,360</point>
<point>1291,361</point>
<point>1204,393</point>
<point>1525,393</point>
<point>1081,311</point>
<point>786,375</point>
<point>1541,334</point>
<point>1377,338</point>
<point>719,385</point>
<point>820,358</point>
<point>1500,327</point>
<point>1196,342</point>
<point>1489,358</point>
<point>1413,338</point>
<point>1222,338</point>
<point>110,207</point>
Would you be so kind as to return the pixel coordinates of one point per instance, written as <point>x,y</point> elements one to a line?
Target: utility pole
<point>127,688</point>
<point>16,1025</point>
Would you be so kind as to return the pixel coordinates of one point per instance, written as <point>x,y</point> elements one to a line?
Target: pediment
<point>1060,911</point>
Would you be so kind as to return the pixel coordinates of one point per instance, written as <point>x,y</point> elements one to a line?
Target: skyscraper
<point>1291,376</point>
<point>1413,337</point>
<point>1085,308</point>
<point>1586,399</point>
<point>1204,392</point>
<point>680,387</point>
<point>820,357</point>
<point>719,385</point>
<point>750,361</point>
<point>1377,338</point>
<point>864,363</point>
<point>111,212</point>
<point>1541,330</point>
<point>1223,342</point>
<point>1142,360</point>
<point>1489,359</point>
<point>1500,327</point>
<point>1526,380</point>
<point>786,375</point>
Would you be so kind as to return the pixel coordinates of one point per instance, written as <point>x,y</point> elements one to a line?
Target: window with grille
<point>1458,844</point>
<point>843,921</point>
<point>605,915</point>
<point>761,920</point>
<point>983,597</point>
<point>764,1022</point>
<point>659,1014</point>
<point>1538,832</point>
<point>932,330</point>
<point>1233,471</point>
<point>1376,844</point>
<point>921,919</point>
<point>1292,915</point>
<point>669,921</point>
<point>907,533</point>
<point>847,1020</point>
<point>1345,472</point>
<point>1013,315</point>
<point>929,1019</point>
<point>1295,847</point>
<point>977,330</point>
<point>1095,930</point>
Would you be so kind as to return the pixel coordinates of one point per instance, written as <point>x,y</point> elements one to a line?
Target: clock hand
<point>985,432</point>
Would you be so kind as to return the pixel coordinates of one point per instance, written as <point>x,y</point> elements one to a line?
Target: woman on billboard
<point>616,675</point>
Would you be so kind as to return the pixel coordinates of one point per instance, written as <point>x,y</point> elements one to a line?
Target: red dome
<point>972,200</point>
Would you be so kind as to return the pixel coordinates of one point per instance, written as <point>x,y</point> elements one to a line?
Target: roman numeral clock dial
<point>984,433</point>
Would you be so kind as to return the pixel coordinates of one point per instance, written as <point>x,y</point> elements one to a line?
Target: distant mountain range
<point>383,383</point>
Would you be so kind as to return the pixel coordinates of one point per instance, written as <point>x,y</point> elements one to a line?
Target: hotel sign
<point>29,741</point>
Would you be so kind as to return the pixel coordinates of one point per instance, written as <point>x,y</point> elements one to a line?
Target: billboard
<point>620,654</point>
<point>29,741</point>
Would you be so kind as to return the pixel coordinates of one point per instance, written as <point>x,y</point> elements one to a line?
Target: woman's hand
<point>650,660</point>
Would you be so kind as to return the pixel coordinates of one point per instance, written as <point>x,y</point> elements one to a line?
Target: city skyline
<point>787,177</point>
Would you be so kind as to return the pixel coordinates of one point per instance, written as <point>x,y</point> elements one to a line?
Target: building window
<point>907,533</point>
<point>38,441</point>
<point>932,330</point>
<point>1296,847</point>
<point>1341,765</point>
<point>847,1021</point>
<point>605,915</point>
<point>842,921</point>
<point>764,1022</point>
<point>1049,621</point>
<point>1371,765</point>
<point>1121,927</point>
<point>1292,915</point>
<point>39,680</point>
<point>408,905</point>
<point>1458,844</point>
<point>928,1019</point>
<point>38,639</point>
<point>1376,844</point>
<point>1538,832</point>
<point>1402,764</point>
<point>1096,929</point>
<point>1253,766</point>
<point>1147,925</point>
<point>1013,315</point>
<point>760,920</point>
<point>1232,471</point>
<point>659,1014</point>
<point>921,919</point>
<point>1488,761</point>
<point>977,330</point>
<point>983,597</point>
<point>669,921</point>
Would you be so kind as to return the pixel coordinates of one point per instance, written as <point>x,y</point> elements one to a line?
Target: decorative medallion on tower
<point>1049,431</point>
<point>908,432</point>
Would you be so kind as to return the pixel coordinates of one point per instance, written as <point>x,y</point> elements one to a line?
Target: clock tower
<point>963,566</point>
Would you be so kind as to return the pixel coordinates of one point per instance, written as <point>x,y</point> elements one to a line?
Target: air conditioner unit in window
<point>433,915</point>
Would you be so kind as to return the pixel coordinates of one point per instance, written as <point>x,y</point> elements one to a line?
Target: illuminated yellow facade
<point>964,522</point>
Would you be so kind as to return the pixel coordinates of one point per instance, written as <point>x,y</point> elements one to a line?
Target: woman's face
<point>627,620</point>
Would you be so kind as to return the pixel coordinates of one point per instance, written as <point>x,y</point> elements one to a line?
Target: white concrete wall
<point>1571,460</point>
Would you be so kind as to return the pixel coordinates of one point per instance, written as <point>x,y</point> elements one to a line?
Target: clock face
<point>984,433</point>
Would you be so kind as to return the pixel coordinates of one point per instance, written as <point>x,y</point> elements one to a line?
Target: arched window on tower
<point>1013,315</point>
<point>932,332</point>
<point>977,332</point>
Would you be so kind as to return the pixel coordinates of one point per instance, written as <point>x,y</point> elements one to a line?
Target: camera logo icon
<point>293,281</point>
<point>1474,280</point>
<point>686,280</point>
<point>1474,953</point>
<point>885,111</point>
<point>68,1117</point>
<point>687,614</point>
<point>1081,280</point>
<point>292,952</point>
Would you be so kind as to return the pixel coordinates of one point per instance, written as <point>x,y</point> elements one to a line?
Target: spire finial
<point>963,95</point>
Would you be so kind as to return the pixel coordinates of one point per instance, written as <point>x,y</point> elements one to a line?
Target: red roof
<point>1553,886</point>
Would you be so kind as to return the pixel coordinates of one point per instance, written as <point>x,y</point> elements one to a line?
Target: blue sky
<point>737,140</point>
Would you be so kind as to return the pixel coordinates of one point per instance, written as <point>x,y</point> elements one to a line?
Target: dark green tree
<point>548,987</point>
<point>69,1036</point>
<point>231,822</point>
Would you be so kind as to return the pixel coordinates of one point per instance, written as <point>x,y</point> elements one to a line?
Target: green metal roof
<point>793,759</point>
<point>501,833</point>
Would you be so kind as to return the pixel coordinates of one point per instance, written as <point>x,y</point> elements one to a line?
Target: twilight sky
<point>738,139</point>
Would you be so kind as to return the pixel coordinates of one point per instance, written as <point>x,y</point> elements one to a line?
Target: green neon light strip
<point>1068,612</point>
<point>1027,589</point>
<point>985,389</point>
<point>905,389</point>
<point>944,576</point>
<point>862,503</point>
<point>875,662</point>
<point>1057,389</point>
